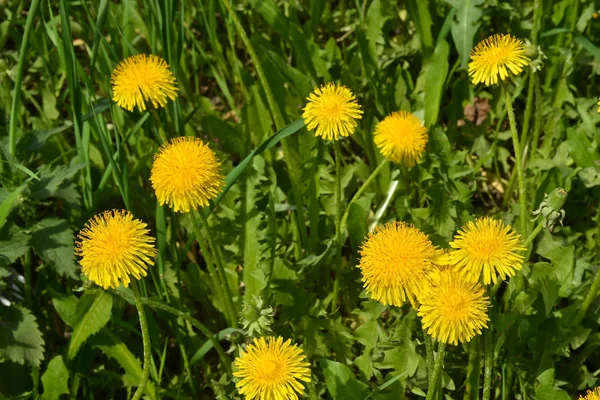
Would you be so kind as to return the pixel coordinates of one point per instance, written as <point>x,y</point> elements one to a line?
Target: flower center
<point>455,305</point>
<point>270,370</point>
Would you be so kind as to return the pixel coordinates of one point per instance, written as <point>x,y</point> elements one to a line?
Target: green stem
<point>589,298</point>
<point>519,162</point>
<point>533,234</point>
<point>217,285</point>
<point>362,189</point>
<point>145,339</point>
<point>159,125</point>
<point>220,265</point>
<point>472,381</point>
<point>437,370</point>
<point>489,359</point>
<point>293,166</point>
<point>198,325</point>
<point>16,101</point>
<point>429,353</point>
<point>338,220</point>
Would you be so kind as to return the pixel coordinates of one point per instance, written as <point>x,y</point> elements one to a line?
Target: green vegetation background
<point>77,155</point>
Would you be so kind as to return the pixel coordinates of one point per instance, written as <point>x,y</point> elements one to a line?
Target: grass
<point>281,237</point>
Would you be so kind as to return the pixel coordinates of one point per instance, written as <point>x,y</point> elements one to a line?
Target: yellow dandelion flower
<point>186,174</point>
<point>271,370</point>
<point>401,138</point>
<point>333,110</point>
<point>486,249</point>
<point>140,79</point>
<point>493,57</point>
<point>395,260</point>
<point>591,395</point>
<point>453,310</point>
<point>112,246</point>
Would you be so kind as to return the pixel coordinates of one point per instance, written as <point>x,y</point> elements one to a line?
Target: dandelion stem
<point>197,324</point>
<point>533,234</point>
<point>145,339</point>
<point>437,371</point>
<point>519,162</point>
<point>293,165</point>
<point>587,301</point>
<point>362,189</point>
<point>219,262</point>
<point>429,353</point>
<point>338,221</point>
<point>159,125</point>
<point>489,358</point>
<point>210,264</point>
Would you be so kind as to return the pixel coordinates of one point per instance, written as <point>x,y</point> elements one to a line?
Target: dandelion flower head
<point>591,395</point>
<point>186,174</point>
<point>140,79</point>
<point>453,310</point>
<point>271,369</point>
<point>332,110</point>
<point>495,56</point>
<point>395,260</point>
<point>486,249</point>
<point>114,246</point>
<point>401,138</point>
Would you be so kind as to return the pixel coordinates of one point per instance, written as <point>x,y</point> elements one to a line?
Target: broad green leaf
<point>14,243</point>
<point>53,179</point>
<point>580,148</point>
<point>66,306</point>
<point>20,338</point>
<point>8,204</point>
<point>545,390</point>
<point>403,359</point>
<point>420,15</point>
<point>114,348</point>
<point>465,27</point>
<point>93,312</point>
<point>56,379</point>
<point>52,240</point>
<point>435,76</point>
<point>341,382</point>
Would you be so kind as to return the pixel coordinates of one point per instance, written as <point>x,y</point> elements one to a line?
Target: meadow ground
<point>344,200</point>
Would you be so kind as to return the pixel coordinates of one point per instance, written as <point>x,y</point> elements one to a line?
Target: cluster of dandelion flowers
<point>332,110</point>
<point>453,310</point>
<point>271,369</point>
<point>495,56</point>
<point>112,246</point>
<point>395,260</point>
<point>485,250</point>
<point>401,138</point>
<point>591,395</point>
<point>140,79</point>
<point>186,174</point>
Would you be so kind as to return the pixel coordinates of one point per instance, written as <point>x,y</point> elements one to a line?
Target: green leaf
<point>66,306</point>
<point>114,348</point>
<point>419,13</point>
<point>235,173</point>
<point>465,27</point>
<point>403,359</point>
<point>20,338</point>
<point>8,204</point>
<point>14,243</point>
<point>53,179</point>
<point>435,76</point>
<point>341,382</point>
<point>56,378</point>
<point>52,240</point>
<point>205,348</point>
<point>544,387</point>
<point>93,312</point>
<point>233,140</point>
<point>580,148</point>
